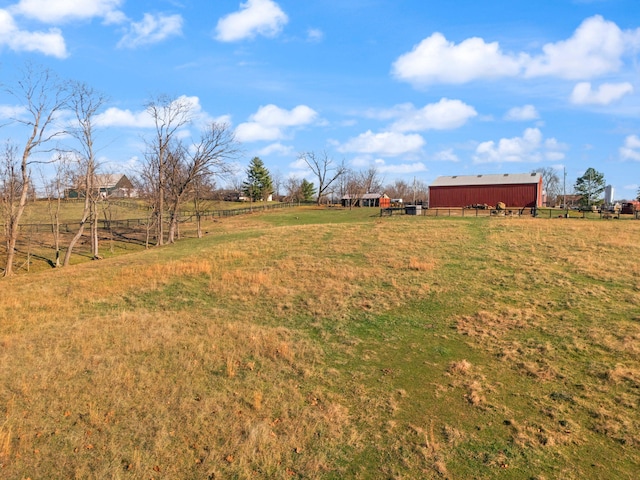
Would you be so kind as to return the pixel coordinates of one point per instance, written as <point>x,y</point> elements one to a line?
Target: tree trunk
<point>160,212</point>
<point>95,247</point>
<point>14,220</point>
<point>56,234</point>
<point>173,228</point>
<point>76,237</point>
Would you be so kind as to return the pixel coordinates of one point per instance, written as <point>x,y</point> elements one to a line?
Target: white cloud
<point>436,60</point>
<point>151,29</point>
<point>522,114</point>
<point>60,11</point>
<point>48,43</point>
<point>528,148</point>
<point>115,117</point>
<point>222,119</point>
<point>362,161</point>
<point>315,35</point>
<point>607,93</point>
<point>631,148</point>
<point>276,149</point>
<point>199,117</point>
<point>444,115</point>
<point>401,168</point>
<point>255,17</point>
<point>299,164</point>
<point>275,116</point>
<point>12,111</point>
<point>446,156</point>
<point>385,143</point>
<point>269,122</point>
<point>597,47</point>
<point>253,132</point>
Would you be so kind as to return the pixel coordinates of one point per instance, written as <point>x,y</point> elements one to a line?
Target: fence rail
<point>531,212</point>
<point>184,216</point>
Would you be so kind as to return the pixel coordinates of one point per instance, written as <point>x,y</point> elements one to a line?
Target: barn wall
<point>515,196</point>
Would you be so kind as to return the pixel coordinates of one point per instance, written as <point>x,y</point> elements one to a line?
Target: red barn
<point>514,190</point>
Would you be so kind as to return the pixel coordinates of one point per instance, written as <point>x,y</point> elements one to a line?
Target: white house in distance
<point>115,185</point>
<point>112,185</point>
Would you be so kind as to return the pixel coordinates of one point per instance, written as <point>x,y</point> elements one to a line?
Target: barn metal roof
<point>493,179</point>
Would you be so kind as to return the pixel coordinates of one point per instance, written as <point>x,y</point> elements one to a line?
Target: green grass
<point>320,343</point>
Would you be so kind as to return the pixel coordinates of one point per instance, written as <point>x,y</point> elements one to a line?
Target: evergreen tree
<point>258,185</point>
<point>590,186</point>
<point>307,190</point>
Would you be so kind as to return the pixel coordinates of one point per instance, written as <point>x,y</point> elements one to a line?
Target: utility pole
<point>414,190</point>
<point>590,188</point>
<point>564,192</point>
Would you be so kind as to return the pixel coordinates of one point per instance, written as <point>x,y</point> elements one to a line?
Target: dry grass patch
<point>463,367</point>
<point>169,270</point>
<point>180,393</point>
<point>420,265</point>
<point>496,325</point>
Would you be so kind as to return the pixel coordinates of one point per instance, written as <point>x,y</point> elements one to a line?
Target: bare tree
<point>169,115</point>
<point>399,189</point>
<point>185,166</point>
<point>54,191</point>
<point>277,182</point>
<point>10,187</point>
<point>83,181</point>
<point>146,185</point>
<point>43,96</point>
<point>85,102</point>
<point>293,187</point>
<point>203,189</point>
<point>420,192</point>
<point>370,180</point>
<point>324,170</point>
<point>550,183</point>
<point>353,188</point>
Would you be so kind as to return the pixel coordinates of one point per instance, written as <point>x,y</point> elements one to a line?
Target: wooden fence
<point>184,216</point>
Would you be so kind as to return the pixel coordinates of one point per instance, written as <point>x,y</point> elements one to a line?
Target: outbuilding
<point>514,190</point>
<point>381,200</point>
<point>106,185</point>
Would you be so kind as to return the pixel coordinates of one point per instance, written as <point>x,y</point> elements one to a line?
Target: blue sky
<point>417,89</point>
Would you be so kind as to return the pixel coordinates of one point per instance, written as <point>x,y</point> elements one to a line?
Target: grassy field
<point>313,343</point>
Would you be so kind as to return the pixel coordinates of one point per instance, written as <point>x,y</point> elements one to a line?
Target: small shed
<point>380,200</point>
<point>514,190</point>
